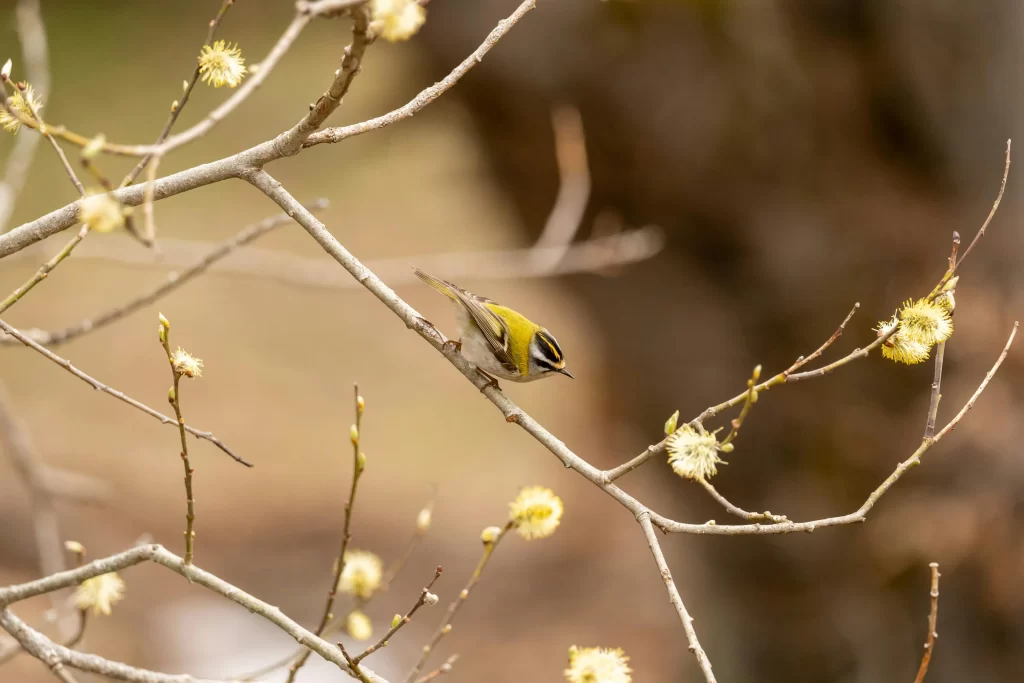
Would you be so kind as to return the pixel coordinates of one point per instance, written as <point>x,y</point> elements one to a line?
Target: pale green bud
<point>672,423</point>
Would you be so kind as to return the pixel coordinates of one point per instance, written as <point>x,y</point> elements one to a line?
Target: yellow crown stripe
<point>550,346</point>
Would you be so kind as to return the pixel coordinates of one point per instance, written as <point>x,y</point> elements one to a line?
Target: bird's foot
<point>492,382</point>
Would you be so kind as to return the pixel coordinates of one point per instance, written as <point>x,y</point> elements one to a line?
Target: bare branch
<point>590,256</point>
<point>743,514</point>
<point>674,597</point>
<point>396,626</point>
<point>933,617</point>
<point>96,384</point>
<point>428,95</point>
<point>165,558</point>
<point>992,213</point>
<point>57,657</point>
<point>573,189</point>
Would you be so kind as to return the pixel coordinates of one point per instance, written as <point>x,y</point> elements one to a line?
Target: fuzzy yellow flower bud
<point>359,625</point>
<point>362,573</point>
<point>430,599</point>
<point>490,535</point>
<point>353,435</point>
<point>597,665</point>
<point>24,102</point>
<point>361,461</point>
<point>74,547</point>
<point>397,20</point>
<point>360,404</point>
<point>101,212</point>
<point>423,519</point>
<point>94,146</point>
<point>222,64</point>
<point>693,452</point>
<point>186,365</point>
<point>99,593</point>
<point>164,322</point>
<point>5,72</point>
<point>537,512</point>
<point>396,620</point>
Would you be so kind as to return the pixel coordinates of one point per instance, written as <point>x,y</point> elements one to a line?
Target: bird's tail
<point>446,288</point>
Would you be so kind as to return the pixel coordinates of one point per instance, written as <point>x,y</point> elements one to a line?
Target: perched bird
<point>499,341</point>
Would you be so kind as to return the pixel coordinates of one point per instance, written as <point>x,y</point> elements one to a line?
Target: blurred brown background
<point>799,155</point>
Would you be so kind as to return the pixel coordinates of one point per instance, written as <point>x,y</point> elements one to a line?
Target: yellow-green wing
<point>494,329</point>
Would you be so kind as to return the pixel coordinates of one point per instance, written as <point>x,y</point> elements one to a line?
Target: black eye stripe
<point>549,347</point>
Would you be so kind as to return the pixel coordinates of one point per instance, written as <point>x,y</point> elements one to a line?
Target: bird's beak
<point>566,373</point>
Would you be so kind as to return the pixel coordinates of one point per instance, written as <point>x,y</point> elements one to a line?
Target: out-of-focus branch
<point>96,384</point>
<point>674,597</point>
<point>594,255</point>
<point>573,189</point>
<point>163,557</point>
<point>174,281</point>
<point>933,617</point>
<point>35,52</point>
<point>445,668</point>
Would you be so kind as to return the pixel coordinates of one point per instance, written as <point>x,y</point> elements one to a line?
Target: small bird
<point>499,341</point>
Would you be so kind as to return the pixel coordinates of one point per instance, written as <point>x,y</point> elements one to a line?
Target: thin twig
<point>675,599</point>
<point>445,626</point>
<point>96,384</point>
<point>428,95</point>
<point>44,270</point>
<point>358,465</point>
<point>148,235</point>
<point>933,617</point>
<point>995,207</point>
<point>445,668</point>
<point>396,626</point>
<point>40,125</point>
<point>739,512</point>
<point>174,398</point>
<point>781,378</point>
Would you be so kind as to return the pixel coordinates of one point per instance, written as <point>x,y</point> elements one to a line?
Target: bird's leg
<point>452,343</point>
<point>492,382</point>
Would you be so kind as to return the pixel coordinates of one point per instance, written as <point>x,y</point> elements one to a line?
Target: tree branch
<point>933,617</point>
<point>165,558</point>
<point>674,598</point>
